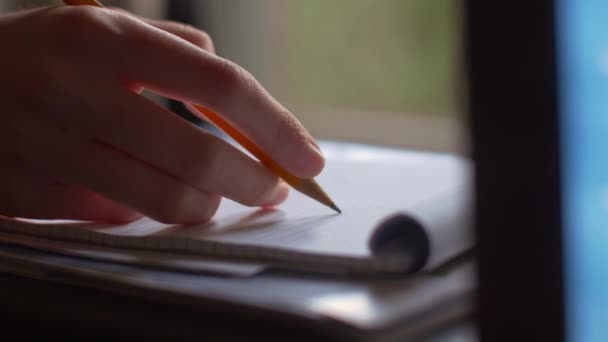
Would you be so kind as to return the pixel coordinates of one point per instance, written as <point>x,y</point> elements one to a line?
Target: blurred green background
<point>389,55</point>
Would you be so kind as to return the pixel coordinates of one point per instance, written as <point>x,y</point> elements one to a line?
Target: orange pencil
<point>308,187</point>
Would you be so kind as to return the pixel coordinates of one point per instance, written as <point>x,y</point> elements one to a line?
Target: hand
<point>79,142</point>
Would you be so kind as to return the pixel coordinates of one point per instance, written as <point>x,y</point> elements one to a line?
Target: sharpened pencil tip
<point>312,189</point>
<point>335,207</point>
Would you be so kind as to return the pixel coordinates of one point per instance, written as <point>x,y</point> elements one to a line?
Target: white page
<point>367,183</point>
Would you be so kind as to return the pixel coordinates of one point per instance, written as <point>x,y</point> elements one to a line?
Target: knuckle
<point>195,36</point>
<point>202,39</point>
<point>231,77</point>
<point>87,26</point>
<point>78,15</point>
<point>85,18</point>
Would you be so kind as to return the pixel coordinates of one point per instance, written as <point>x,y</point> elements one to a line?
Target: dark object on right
<point>513,105</point>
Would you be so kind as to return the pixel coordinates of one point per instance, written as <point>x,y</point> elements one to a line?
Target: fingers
<point>198,38</point>
<point>152,134</point>
<point>26,193</point>
<point>199,159</point>
<point>110,173</point>
<point>108,141</point>
<point>189,33</point>
<point>162,62</point>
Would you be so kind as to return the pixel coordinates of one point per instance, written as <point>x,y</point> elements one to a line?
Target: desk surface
<point>80,295</point>
<point>72,311</point>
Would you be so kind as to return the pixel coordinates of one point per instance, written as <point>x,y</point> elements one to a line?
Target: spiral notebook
<point>403,212</point>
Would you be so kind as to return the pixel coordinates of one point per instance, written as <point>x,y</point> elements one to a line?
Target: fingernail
<point>313,162</point>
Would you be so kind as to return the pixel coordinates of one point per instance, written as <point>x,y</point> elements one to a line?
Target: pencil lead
<point>335,207</point>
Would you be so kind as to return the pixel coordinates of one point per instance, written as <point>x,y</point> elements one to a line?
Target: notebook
<point>337,308</point>
<point>402,212</point>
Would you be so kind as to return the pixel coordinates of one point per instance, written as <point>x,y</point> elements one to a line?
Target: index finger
<point>167,64</point>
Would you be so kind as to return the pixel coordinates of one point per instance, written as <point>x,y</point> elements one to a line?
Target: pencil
<point>308,187</point>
